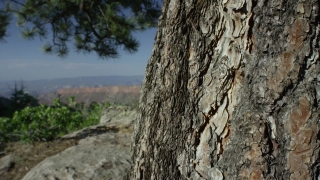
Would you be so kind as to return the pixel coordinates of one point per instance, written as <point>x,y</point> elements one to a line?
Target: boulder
<point>6,163</point>
<point>103,152</point>
<point>117,115</point>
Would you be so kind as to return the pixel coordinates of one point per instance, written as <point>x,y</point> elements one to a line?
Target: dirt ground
<point>27,156</point>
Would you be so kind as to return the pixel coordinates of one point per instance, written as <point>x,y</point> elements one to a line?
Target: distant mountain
<point>45,86</point>
<point>128,95</point>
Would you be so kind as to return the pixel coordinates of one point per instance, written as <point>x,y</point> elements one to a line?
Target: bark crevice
<point>231,92</point>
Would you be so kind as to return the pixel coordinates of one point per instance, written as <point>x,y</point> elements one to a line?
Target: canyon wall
<point>114,94</point>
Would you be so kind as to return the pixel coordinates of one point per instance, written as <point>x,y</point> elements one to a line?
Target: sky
<point>23,60</point>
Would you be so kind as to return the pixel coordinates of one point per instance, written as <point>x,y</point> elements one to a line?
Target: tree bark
<point>231,91</point>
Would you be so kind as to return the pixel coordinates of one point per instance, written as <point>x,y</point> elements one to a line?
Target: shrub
<point>18,101</point>
<point>47,122</point>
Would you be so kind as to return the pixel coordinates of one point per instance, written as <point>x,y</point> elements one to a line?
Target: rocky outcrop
<point>6,163</point>
<point>103,151</point>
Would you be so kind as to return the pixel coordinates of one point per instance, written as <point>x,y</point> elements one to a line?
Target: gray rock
<point>117,114</point>
<point>105,156</point>
<point>120,121</point>
<point>103,152</point>
<point>6,163</point>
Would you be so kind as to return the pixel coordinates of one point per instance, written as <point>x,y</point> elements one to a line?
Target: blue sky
<point>23,60</point>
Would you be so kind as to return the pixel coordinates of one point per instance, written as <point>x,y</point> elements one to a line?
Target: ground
<point>29,155</point>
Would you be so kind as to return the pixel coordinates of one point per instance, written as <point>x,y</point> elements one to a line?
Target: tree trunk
<point>231,91</point>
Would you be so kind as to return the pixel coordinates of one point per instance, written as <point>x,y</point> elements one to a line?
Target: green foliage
<point>47,122</point>
<point>4,21</point>
<point>96,26</point>
<point>18,101</point>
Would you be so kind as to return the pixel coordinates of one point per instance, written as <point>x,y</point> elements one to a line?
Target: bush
<point>18,101</point>
<point>47,122</point>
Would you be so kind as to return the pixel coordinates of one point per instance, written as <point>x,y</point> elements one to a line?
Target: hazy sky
<point>23,60</point>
